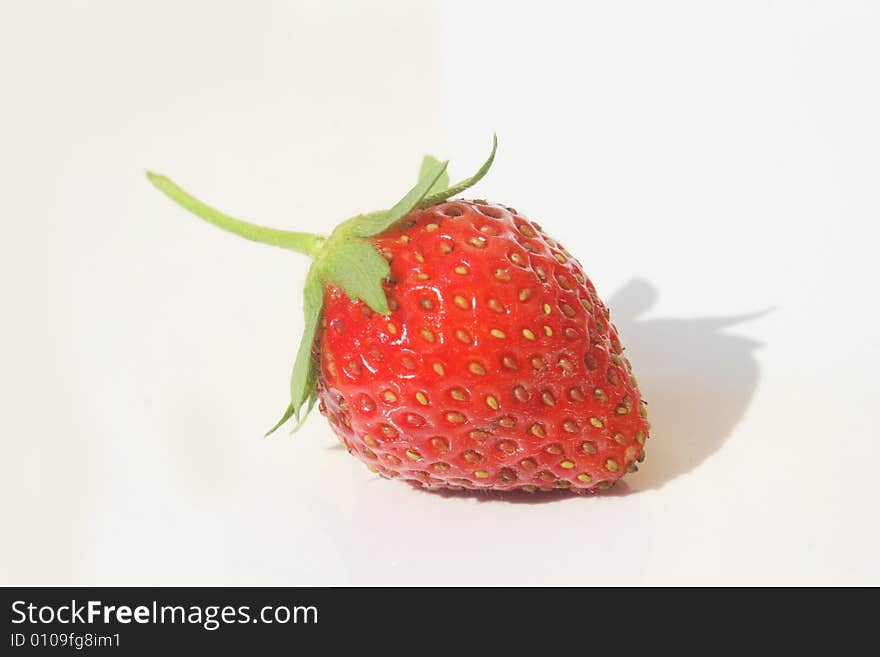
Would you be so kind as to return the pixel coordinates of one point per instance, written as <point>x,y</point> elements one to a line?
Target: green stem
<point>305,243</point>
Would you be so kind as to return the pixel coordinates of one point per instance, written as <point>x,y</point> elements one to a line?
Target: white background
<point>713,165</point>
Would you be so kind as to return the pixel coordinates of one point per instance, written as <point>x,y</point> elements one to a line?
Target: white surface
<point>704,163</point>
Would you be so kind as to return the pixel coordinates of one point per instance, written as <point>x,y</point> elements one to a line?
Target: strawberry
<point>454,344</point>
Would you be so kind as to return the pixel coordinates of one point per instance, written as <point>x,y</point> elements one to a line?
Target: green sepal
<point>429,164</point>
<point>458,188</point>
<point>313,398</point>
<point>284,418</point>
<point>303,370</point>
<point>373,224</point>
<point>355,266</point>
<point>305,374</point>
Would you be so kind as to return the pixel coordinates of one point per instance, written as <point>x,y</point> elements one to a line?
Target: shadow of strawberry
<point>697,378</point>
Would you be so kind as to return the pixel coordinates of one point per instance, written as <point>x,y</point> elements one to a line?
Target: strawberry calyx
<point>346,258</point>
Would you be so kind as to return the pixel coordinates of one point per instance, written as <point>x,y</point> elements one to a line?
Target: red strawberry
<point>454,344</point>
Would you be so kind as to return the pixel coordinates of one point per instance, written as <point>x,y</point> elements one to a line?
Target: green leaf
<point>356,267</point>
<point>458,188</point>
<point>313,398</point>
<point>429,164</point>
<point>304,372</point>
<point>374,224</point>
<point>284,418</point>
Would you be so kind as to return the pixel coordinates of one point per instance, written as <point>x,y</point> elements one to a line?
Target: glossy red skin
<point>393,408</point>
